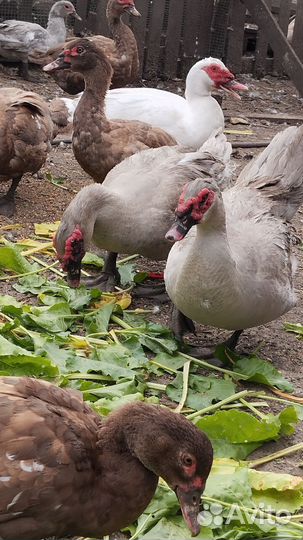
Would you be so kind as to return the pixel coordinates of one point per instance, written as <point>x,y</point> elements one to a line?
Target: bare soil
<point>39,200</point>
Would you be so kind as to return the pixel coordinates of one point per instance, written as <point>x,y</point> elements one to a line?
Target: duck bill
<point>76,16</point>
<point>233,87</point>
<point>133,11</point>
<point>180,228</point>
<point>190,506</point>
<point>73,270</point>
<point>62,62</point>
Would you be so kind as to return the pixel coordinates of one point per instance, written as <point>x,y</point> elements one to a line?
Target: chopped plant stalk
<point>276,455</point>
<point>252,408</point>
<point>203,363</point>
<point>127,259</point>
<point>156,386</point>
<point>218,405</point>
<point>165,368</point>
<point>46,265</point>
<point>42,247</point>
<point>290,398</point>
<point>17,276</point>
<point>186,369</point>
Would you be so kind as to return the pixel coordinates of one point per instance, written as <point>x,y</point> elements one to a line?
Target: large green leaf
<point>174,529</point>
<point>203,391</point>
<point>262,371</point>
<point>98,320</point>
<point>15,360</point>
<point>56,318</point>
<point>236,433</point>
<point>11,259</point>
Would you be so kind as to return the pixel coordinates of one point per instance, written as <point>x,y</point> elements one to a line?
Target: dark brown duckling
<point>65,471</point>
<point>100,144</point>
<point>121,51</point>
<point>25,134</point>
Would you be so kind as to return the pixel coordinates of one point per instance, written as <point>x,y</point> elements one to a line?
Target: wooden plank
<point>283,20</point>
<point>204,31</point>
<point>193,13</point>
<point>154,38</point>
<point>261,49</point>
<point>235,36</point>
<point>139,27</point>
<point>81,7</point>
<point>173,37</point>
<point>297,41</point>
<point>279,118</point>
<point>101,20</point>
<point>264,19</point>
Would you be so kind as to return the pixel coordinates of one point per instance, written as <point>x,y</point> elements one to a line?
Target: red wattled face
<point>218,74</point>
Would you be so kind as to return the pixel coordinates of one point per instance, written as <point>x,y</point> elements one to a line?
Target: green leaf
<point>236,433</point>
<point>262,371</point>
<point>203,391</point>
<point>30,284</point>
<point>280,491</point>
<point>92,259</point>
<point>127,273</point>
<point>296,328</point>
<point>15,360</point>
<point>11,259</point>
<point>174,529</point>
<point>98,321</point>
<point>56,318</point>
<point>113,360</point>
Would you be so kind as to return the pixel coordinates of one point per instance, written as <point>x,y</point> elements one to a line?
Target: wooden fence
<point>171,34</point>
<point>249,35</point>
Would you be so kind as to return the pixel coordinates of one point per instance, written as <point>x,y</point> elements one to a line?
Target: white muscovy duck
<point>231,266</point>
<point>190,120</point>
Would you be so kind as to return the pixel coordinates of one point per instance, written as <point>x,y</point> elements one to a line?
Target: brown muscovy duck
<point>100,144</point>
<point>25,135</point>
<point>121,51</point>
<point>65,471</point>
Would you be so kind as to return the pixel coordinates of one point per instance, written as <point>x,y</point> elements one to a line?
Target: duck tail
<point>213,158</point>
<point>278,172</point>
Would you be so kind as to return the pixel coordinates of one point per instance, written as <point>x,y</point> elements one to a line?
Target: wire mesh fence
<point>30,10</point>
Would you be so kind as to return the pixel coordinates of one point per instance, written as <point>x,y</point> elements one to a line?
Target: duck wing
<point>22,35</point>
<point>277,173</point>
<point>46,445</point>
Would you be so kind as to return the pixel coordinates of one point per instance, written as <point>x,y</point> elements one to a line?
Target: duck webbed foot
<point>23,70</point>
<point>157,292</point>
<point>7,201</point>
<point>109,277</point>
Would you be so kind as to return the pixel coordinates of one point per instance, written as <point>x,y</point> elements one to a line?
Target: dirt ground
<point>40,201</point>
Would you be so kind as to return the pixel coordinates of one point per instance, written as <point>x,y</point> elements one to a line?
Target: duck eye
<point>187,461</point>
<point>80,49</point>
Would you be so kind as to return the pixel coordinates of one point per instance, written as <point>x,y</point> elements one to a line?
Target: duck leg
<point>109,277</point>
<point>23,69</point>
<point>7,201</point>
<point>180,324</point>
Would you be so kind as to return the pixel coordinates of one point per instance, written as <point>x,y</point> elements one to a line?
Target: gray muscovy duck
<point>19,39</point>
<point>232,266</point>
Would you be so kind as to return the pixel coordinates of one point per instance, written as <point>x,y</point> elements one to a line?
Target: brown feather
<point>121,51</point>
<point>64,471</point>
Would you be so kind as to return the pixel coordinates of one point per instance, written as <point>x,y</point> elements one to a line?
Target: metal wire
<point>32,10</point>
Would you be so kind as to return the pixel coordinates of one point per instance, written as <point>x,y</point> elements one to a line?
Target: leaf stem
<point>25,274</point>
<point>156,386</point>
<point>218,405</point>
<point>276,455</point>
<point>183,399</point>
<point>252,408</point>
<point>126,259</point>
<point>205,364</point>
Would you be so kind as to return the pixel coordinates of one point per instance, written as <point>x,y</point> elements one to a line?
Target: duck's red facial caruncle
<point>129,6</point>
<point>72,258</point>
<point>190,212</point>
<point>224,79</point>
